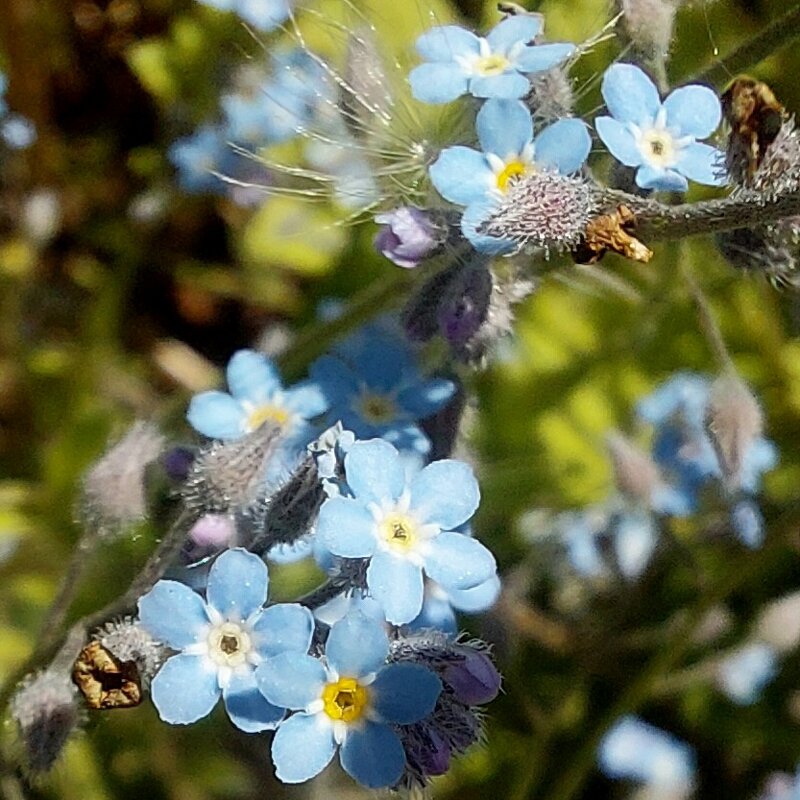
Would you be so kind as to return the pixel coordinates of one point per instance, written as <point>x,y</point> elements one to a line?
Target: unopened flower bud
<point>46,711</point>
<point>550,97</point>
<point>114,493</point>
<point>649,25</point>
<point>177,462</point>
<point>407,237</point>
<point>475,680</point>
<point>127,640</point>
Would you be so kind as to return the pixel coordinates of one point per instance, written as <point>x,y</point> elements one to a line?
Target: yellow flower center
<point>512,171</point>
<point>345,700</point>
<point>493,64</point>
<point>377,409</point>
<point>399,531</point>
<point>229,644</point>
<point>274,414</point>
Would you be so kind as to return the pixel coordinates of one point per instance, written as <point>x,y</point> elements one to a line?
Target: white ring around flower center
<point>229,645</point>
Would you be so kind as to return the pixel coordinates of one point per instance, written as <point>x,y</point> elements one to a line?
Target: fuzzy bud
<point>734,421</point>
<point>127,640</point>
<point>228,476</point>
<point>408,236</point>
<point>46,711</point>
<point>289,513</point>
<point>649,25</point>
<point>550,97</point>
<point>765,249</point>
<point>635,473</point>
<point>464,304</point>
<point>543,209</point>
<point>114,493</point>
<point>475,680</point>
<point>779,623</point>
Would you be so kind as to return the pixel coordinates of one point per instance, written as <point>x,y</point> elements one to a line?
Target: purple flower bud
<point>407,236</point>
<point>177,462</point>
<point>213,530</point>
<point>436,759</point>
<point>475,680</point>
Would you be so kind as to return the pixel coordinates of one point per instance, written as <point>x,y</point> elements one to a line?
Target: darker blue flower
<point>457,61</point>
<point>660,139</point>
<point>480,179</point>
<point>221,640</point>
<point>405,526</point>
<point>346,700</point>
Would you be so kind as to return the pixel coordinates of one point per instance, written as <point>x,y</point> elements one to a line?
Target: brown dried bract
<point>611,233</point>
<point>104,681</point>
<point>755,117</point>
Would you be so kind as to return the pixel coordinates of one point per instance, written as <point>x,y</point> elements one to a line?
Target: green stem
<point>777,34</point>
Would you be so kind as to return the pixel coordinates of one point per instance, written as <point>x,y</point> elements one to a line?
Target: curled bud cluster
<point>46,711</point>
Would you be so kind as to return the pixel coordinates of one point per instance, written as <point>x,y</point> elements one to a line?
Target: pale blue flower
<point>198,156</point>
<point>743,674</point>
<point>265,15</point>
<point>374,387</point>
<point>405,527</point>
<point>633,750</point>
<point>257,396</point>
<point>221,640</point>
<point>660,139</point>
<point>458,61</point>
<point>439,605</point>
<point>346,700</point>
<point>479,179</point>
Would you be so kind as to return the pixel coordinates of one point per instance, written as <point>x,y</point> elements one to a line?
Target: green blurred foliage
<point>89,326</point>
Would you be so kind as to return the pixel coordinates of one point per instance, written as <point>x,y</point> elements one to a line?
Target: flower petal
<point>472,221</point>
<point>438,82</point>
<point>306,399</point>
<point>286,627</point>
<point>508,86</point>
<point>478,598</point>
<point>445,493</point>
<point>303,746</point>
<point>666,180</point>
<point>702,163</point>
<point>630,95</point>
<point>619,140</point>
<point>217,415</point>
<point>514,29</point>
<point>458,562</point>
<point>397,585</point>
<point>374,471</point>
<point>407,438</point>
<point>357,645</point>
<point>694,111</point>
<point>543,56</point>
<point>461,175</point>
<point>563,146</point>
<point>346,528</point>
<point>504,128</point>
<point>423,399</point>
<point>445,42</point>
<point>336,379</point>
<point>173,614</point>
<point>237,584</point>
<point>290,680</point>
<point>405,693</point>
<point>185,689</point>
<point>373,755</point>
<point>252,376</point>
<point>247,708</point>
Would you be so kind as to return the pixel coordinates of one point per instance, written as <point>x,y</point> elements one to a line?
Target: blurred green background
<point>139,292</point>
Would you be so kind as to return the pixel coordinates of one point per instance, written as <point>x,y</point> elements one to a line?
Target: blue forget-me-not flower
<point>347,699</point>
<point>633,750</point>
<point>374,387</point>
<point>744,673</point>
<point>262,14</point>
<point>406,527</point>
<point>479,179</point>
<point>457,61</point>
<point>257,396</point>
<point>221,640</point>
<point>660,139</point>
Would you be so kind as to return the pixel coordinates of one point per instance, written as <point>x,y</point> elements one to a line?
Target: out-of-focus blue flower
<point>633,750</point>
<point>262,14</point>
<point>748,523</point>
<point>257,396</point>
<point>348,700</point>
<point>221,641</point>
<point>479,179</point>
<point>458,61</point>
<point>374,388</point>
<point>198,156</point>
<point>660,139</point>
<point>743,674</point>
<point>781,786</point>
<point>407,237</point>
<point>405,527</point>
<point>634,536</point>
<point>17,131</point>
